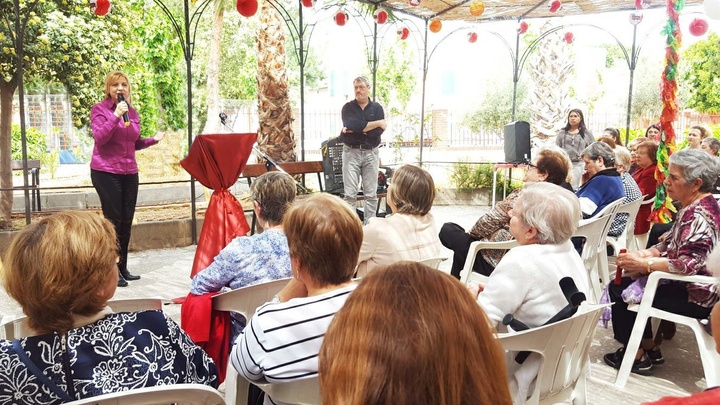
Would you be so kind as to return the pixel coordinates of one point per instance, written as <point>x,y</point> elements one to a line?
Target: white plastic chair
<point>626,240</point>
<point>706,345</point>
<point>298,392</point>
<point>433,262</point>
<point>16,326</point>
<point>467,274</point>
<point>594,254</point>
<point>564,347</point>
<point>180,394</point>
<point>244,301</point>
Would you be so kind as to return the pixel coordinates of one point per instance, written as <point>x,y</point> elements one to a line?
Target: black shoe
<point>121,281</point>
<point>127,276</point>
<point>642,366</point>
<point>655,355</point>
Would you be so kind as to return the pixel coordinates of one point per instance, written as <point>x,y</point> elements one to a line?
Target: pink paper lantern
<point>569,37</point>
<point>403,33</point>
<point>698,27</point>
<point>414,3</point>
<point>642,4</point>
<point>472,37</point>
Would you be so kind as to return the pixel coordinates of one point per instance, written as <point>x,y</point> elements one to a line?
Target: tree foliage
<point>396,78</point>
<point>702,76</point>
<point>496,108</point>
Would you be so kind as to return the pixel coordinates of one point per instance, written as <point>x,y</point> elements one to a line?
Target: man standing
<point>363,123</point>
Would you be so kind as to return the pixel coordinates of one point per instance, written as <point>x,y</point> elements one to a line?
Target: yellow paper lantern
<point>435,26</point>
<point>477,8</point>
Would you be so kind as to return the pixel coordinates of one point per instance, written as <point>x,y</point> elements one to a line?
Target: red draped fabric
<point>216,161</point>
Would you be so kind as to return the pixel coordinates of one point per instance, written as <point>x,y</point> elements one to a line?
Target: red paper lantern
<point>414,3</point>
<point>642,4</point>
<point>698,27</point>
<point>100,7</point>
<point>380,16</point>
<point>340,18</point>
<point>435,26</point>
<point>569,37</point>
<point>403,33</point>
<point>308,3</point>
<point>247,8</point>
<point>522,27</point>
<point>472,37</point>
<point>477,8</point>
<point>555,6</point>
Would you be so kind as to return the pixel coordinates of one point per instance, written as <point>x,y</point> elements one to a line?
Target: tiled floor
<point>165,274</point>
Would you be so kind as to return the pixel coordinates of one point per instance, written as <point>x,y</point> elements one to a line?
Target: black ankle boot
<point>121,280</point>
<point>127,276</point>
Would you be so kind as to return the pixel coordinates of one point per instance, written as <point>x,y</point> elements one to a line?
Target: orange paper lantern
<point>477,8</point>
<point>435,26</point>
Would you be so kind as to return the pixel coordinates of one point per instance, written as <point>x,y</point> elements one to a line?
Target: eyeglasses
<point>531,166</point>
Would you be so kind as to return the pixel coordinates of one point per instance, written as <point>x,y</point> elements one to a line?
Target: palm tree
<point>212,85</point>
<point>275,133</point>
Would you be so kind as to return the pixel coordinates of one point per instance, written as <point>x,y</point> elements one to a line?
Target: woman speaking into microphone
<point>113,168</point>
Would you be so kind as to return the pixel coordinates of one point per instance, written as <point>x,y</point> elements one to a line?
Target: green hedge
<point>36,143</point>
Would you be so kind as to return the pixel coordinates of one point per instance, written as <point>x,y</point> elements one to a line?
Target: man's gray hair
<point>362,79</point>
<point>600,149</point>
<point>697,164</point>
<point>552,210</point>
<point>712,143</point>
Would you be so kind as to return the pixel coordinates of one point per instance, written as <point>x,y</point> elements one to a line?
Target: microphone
<point>126,119</point>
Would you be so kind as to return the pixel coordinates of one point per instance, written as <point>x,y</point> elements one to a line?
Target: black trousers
<point>671,297</point>
<point>118,196</point>
<point>656,232</point>
<point>454,237</point>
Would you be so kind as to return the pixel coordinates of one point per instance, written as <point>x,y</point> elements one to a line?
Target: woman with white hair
<point>526,282</point>
<point>684,251</point>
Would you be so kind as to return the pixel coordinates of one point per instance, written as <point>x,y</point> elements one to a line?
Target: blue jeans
<point>361,163</point>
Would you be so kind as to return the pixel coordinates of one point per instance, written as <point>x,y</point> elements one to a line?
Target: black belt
<point>361,147</point>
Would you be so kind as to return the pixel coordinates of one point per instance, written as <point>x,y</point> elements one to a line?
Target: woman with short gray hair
<point>604,185</point>
<point>525,282</point>
<point>693,236</point>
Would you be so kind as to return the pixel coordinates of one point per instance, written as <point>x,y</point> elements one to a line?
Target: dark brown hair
<point>410,334</point>
<point>553,163</point>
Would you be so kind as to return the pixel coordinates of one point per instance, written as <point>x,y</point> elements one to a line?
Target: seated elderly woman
<point>604,185</point>
<point>542,221</point>
<point>632,148</point>
<point>646,157</point>
<point>63,270</point>
<point>408,234</point>
<point>551,165</point>
<point>434,347</point>
<point>692,237</point>
<point>262,257</point>
<point>282,340</point>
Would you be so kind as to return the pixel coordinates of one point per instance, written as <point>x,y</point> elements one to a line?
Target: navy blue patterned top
<point>118,352</point>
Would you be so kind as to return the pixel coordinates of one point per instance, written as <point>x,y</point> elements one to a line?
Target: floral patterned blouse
<point>692,237</point>
<point>494,226</point>
<point>118,352</point>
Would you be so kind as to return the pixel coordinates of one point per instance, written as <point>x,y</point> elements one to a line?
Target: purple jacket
<point>115,144</point>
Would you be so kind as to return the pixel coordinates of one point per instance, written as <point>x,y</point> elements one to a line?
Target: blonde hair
<point>412,190</point>
<point>56,267</point>
<point>410,334</point>
<point>114,77</point>
<point>324,235</point>
<point>274,192</point>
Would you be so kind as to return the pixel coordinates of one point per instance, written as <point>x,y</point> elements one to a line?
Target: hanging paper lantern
<point>380,16</point>
<point>636,18</point>
<point>341,18</point>
<point>414,3</point>
<point>435,26</point>
<point>555,6</point>
<point>308,3</point>
<point>522,27</point>
<point>247,8</point>
<point>472,37</point>
<point>569,37</point>
<point>712,9</point>
<point>403,33</point>
<point>698,27</point>
<point>100,7</point>
<point>642,4</point>
<point>477,8</point>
